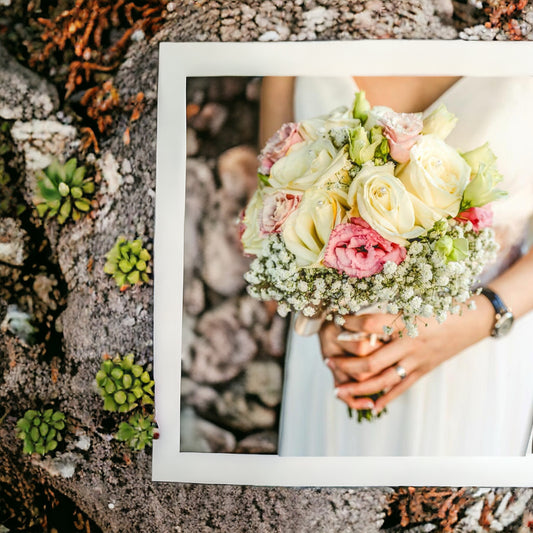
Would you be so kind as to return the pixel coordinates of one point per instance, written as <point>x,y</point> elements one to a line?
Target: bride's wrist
<point>482,317</point>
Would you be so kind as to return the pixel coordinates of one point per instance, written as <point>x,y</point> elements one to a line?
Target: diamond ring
<point>400,370</point>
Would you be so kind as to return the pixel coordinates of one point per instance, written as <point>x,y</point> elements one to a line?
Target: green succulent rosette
<point>123,384</point>
<point>41,431</point>
<point>63,191</point>
<point>127,262</point>
<point>137,432</point>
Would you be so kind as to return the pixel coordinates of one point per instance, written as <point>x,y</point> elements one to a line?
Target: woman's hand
<point>379,367</point>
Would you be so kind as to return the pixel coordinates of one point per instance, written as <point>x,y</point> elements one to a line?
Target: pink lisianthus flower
<point>481,217</point>
<point>359,251</point>
<point>278,145</point>
<point>402,131</point>
<point>276,209</point>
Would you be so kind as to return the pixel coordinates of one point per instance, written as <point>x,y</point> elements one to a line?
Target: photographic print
<point>349,241</point>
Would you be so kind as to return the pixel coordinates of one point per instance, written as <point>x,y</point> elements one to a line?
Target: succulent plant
<point>137,432</point>
<point>123,384</point>
<point>127,262</point>
<point>63,191</point>
<point>41,430</point>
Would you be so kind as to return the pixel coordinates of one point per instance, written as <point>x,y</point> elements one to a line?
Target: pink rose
<point>359,251</point>
<point>481,217</point>
<point>402,131</point>
<point>278,145</point>
<point>276,209</point>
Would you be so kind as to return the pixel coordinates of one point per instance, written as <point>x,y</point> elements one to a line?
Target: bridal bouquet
<point>367,206</point>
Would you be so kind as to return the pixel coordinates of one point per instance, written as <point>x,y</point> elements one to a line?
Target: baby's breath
<point>423,285</point>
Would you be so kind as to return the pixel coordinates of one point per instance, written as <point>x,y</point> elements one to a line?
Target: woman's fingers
<point>363,368</point>
<point>372,323</point>
<point>386,380</point>
<point>384,400</point>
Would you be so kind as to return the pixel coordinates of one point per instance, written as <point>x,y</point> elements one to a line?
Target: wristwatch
<point>503,319</point>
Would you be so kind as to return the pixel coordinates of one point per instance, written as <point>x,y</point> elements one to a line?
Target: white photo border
<point>177,61</point>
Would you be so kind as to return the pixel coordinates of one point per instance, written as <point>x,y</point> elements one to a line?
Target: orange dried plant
<point>82,34</point>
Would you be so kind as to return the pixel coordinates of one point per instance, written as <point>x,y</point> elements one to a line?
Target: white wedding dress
<point>479,402</point>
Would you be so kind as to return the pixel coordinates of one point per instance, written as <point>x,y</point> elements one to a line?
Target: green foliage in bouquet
<point>63,191</point>
<point>127,262</point>
<point>41,431</point>
<point>123,384</point>
<point>137,432</point>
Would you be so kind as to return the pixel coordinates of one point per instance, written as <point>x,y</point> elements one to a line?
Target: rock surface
<point>99,474</point>
<point>24,94</point>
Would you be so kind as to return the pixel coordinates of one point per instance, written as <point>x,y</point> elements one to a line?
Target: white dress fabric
<point>480,402</point>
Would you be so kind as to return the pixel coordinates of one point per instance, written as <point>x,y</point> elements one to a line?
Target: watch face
<point>503,325</point>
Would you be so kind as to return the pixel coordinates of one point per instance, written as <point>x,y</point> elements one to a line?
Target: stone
<point>198,435</point>
<point>112,179</point>
<point>237,169</point>
<point>41,141</point>
<point>194,296</point>
<point>223,263</point>
<point>24,95</point>
<point>12,242</point>
<point>264,379</point>
<point>233,409</point>
<point>263,442</point>
<point>223,348</point>
<point>192,142</point>
<point>211,118</point>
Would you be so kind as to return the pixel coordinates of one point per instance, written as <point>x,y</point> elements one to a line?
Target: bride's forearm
<point>515,285</point>
<point>276,105</point>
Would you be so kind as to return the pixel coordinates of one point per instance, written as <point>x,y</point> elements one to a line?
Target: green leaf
<point>51,445</point>
<point>88,187</point>
<point>76,192</point>
<point>63,189</point>
<point>77,178</point>
<point>43,429</point>
<point>136,370</point>
<point>136,246</point>
<point>125,266</point>
<point>127,381</point>
<point>110,387</point>
<point>117,372</point>
<point>70,168</point>
<point>109,404</point>
<point>34,434</point>
<point>24,424</point>
<point>133,277</point>
<point>83,205</point>
<point>144,255</point>
<point>120,397</point>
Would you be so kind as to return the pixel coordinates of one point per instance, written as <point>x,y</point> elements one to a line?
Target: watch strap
<point>495,300</point>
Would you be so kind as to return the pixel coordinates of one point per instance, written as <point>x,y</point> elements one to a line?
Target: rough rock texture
<point>97,473</point>
<point>24,94</point>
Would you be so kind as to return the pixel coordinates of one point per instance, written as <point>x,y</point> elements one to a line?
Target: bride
<point>464,387</point>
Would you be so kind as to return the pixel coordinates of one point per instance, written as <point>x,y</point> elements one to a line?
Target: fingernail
<point>329,363</point>
<point>369,405</point>
<point>375,412</point>
<point>337,391</point>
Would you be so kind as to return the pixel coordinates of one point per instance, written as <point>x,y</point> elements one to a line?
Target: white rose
<point>440,122</point>
<point>319,126</point>
<point>380,198</point>
<point>307,230</point>
<point>437,176</point>
<point>303,165</point>
<point>252,237</point>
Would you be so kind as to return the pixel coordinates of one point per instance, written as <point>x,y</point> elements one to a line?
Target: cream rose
<point>380,198</point>
<point>307,230</point>
<point>437,176</point>
<point>302,166</point>
<point>252,237</point>
<point>440,122</point>
<point>338,118</point>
